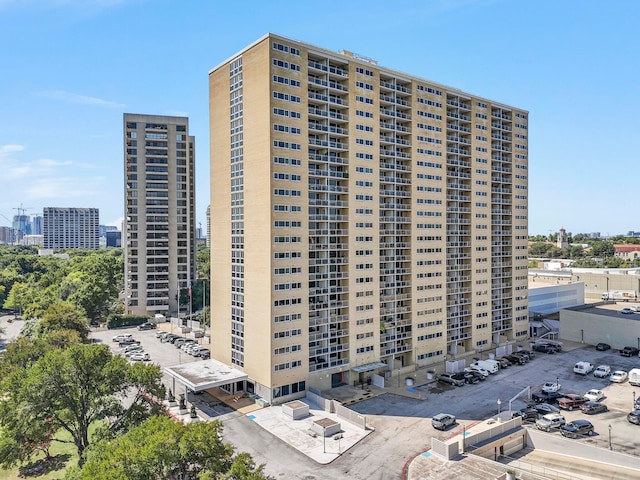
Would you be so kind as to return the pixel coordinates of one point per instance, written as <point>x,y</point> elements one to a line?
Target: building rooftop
<point>204,374</point>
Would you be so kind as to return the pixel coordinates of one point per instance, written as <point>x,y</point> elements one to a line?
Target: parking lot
<point>162,354</point>
<point>402,418</point>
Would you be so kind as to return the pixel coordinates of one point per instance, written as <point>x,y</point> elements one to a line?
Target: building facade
<point>159,227</point>
<point>70,228</point>
<point>364,220</point>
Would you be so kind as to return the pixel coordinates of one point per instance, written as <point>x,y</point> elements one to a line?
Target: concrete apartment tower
<point>365,220</point>
<point>71,228</point>
<point>159,227</point>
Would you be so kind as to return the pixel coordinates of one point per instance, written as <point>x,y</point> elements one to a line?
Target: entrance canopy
<point>205,374</point>
<point>367,367</point>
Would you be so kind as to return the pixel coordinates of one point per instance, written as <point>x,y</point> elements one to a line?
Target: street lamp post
<point>499,404</point>
<point>610,437</point>
<point>464,435</point>
<point>324,439</point>
<point>633,407</point>
<point>557,382</point>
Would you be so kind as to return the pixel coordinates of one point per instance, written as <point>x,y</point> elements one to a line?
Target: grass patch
<point>63,456</point>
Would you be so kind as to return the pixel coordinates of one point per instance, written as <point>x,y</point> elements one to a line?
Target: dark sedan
<point>593,407</point>
<point>602,347</point>
<point>547,397</point>
<point>527,414</point>
<point>544,408</point>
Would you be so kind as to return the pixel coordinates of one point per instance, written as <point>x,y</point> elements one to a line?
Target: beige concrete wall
<point>220,185</point>
<point>591,328</point>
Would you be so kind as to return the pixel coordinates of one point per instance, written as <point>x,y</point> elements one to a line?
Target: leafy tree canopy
<point>63,316</point>
<point>164,448</point>
<point>71,388</point>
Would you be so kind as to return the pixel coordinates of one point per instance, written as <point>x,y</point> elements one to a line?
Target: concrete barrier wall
<point>446,450</point>
<point>563,446</point>
<point>377,380</point>
<point>319,400</point>
<point>350,416</point>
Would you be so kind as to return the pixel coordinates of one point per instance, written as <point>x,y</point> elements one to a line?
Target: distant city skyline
<point>60,132</point>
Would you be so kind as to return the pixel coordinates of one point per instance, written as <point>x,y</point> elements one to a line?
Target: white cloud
<point>6,150</point>
<point>116,223</point>
<point>63,187</point>
<point>50,163</point>
<point>79,99</point>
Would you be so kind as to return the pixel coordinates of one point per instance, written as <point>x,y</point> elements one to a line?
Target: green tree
<point>17,297</point>
<point>74,387</point>
<point>164,448</point>
<point>63,316</point>
<point>602,249</point>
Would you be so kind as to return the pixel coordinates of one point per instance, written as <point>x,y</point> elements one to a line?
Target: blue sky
<point>72,67</point>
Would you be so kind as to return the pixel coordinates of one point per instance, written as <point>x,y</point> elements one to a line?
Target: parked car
<point>161,333</point>
<point>442,421</point>
<point>203,352</point>
<point>147,326</point>
<point>550,421</point>
<point>515,359</point>
<point>571,401</point>
<point>594,395</point>
<point>529,353</point>
<point>551,387</point>
<point>504,362</point>
<point>450,378</point>
<point>188,347</point>
<point>577,428</point>
<point>618,376</point>
<point>132,348</point>
<point>544,408</point>
<point>634,417</point>
<point>527,414</point>
<point>168,337</point>
<point>128,341</point>
<point>543,348</point>
<point>602,371</point>
<point>629,352</point>
<point>522,355</point>
<point>179,342</point>
<point>601,347</point>
<point>583,368</point>
<point>132,352</point>
<point>627,311</point>
<point>485,373</point>
<point>471,376</point>
<point>121,337</point>
<point>140,357</point>
<point>546,397</point>
<point>593,407</point>
<point>194,350</point>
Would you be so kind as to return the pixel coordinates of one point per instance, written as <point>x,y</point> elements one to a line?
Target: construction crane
<point>20,226</point>
<point>21,210</point>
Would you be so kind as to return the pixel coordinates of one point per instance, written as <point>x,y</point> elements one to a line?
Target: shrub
<point>116,321</point>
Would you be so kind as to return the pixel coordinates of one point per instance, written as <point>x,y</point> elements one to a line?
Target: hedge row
<point>116,321</point>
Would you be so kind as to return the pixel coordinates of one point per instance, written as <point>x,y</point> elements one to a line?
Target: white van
<point>634,377</point>
<point>583,368</point>
<point>490,366</point>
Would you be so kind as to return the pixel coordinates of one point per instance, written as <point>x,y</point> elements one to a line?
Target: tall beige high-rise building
<point>159,226</point>
<point>365,220</point>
